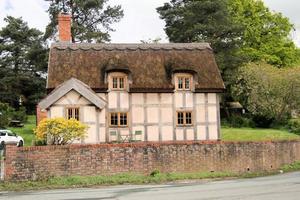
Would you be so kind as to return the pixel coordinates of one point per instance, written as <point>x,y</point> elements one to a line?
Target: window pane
<point>70,113</point>
<point>180,118</point>
<point>76,113</point>
<point>115,82</point>
<point>123,119</point>
<point>180,83</point>
<point>114,119</point>
<point>187,83</point>
<point>121,83</point>
<point>188,118</point>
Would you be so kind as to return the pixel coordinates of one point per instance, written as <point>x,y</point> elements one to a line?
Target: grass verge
<point>131,178</point>
<point>256,134</point>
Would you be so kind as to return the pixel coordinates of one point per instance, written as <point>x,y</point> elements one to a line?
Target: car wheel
<point>20,143</point>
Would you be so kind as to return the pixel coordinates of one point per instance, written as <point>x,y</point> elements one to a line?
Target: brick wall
<point>30,163</point>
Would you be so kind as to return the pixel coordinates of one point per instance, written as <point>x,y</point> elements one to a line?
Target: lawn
<point>27,131</point>
<point>256,134</point>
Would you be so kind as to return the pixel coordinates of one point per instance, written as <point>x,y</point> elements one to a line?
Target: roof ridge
<point>131,46</point>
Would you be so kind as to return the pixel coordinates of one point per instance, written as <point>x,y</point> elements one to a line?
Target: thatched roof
<point>150,65</point>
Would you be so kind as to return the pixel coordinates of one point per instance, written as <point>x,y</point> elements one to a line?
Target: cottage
<point>139,92</point>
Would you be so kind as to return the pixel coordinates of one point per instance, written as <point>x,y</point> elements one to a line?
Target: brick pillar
<point>40,115</point>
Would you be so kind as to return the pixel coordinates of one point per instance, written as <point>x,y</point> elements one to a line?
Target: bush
<point>294,125</point>
<point>20,114</point>
<point>5,114</point>
<point>155,173</point>
<point>238,121</point>
<point>262,121</point>
<point>60,131</point>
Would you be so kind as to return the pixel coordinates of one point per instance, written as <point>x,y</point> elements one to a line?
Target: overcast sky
<point>140,21</point>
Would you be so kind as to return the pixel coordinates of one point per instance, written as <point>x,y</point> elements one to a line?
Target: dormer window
<point>183,82</point>
<point>117,81</point>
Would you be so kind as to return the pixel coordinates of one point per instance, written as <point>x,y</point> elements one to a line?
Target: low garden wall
<point>39,162</point>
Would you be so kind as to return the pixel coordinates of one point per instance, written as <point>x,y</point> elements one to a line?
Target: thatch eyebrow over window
<point>183,81</point>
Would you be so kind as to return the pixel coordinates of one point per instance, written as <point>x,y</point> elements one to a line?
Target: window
<point>183,83</point>
<point>118,119</point>
<point>184,118</point>
<point>118,83</point>
<point>73,113</point>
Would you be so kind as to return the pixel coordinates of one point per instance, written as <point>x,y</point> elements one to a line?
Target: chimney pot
<point>64,27</point>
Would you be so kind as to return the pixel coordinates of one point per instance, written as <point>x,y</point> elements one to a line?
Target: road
<point>283,187</point>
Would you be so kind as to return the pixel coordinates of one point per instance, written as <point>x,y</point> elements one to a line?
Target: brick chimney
<point>64,27</point>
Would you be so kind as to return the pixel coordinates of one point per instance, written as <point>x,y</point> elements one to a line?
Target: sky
<point>140,22</point>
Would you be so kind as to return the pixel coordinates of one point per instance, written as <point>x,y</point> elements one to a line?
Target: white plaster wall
<point>167,133</point>
<point>200,113</point>
<point>124,100</point>
<point>200,98</point>
<point>153,133</point>
<point>137,99</point>
<point>91,134</point>
<point>212,114</point>
<point>89,114</point>
<point>189,99</point>
<point>213,132</point>
<point>112,100</point>
<point>212,97</point>
<point>166,98</point>
<point>178,99</point>
<point>190,134</point>
<point>56,111</point>
<point>179,134</point>
<point>137,115</point>
<point>152,114</point>
<point>152,98</point>
<point>201,133</point>
<point>102,134</point>
<point>102,119</point>
<point>167,115</point>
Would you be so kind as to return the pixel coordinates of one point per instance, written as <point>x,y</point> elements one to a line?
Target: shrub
<point>20,114</point>
<point>60,131</point>
<point>155,173</point>
<point>294,125</point>
<point>238,121</point>
<point>5,114</point>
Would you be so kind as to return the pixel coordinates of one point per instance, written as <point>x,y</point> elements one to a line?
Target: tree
<point>205,21</point>
<point>91,19</point>
<point>268,91</point>
<point>23,64</point>
<point>266,34</point>
<point>60,131</point>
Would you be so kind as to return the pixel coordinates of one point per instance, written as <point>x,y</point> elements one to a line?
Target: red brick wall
<point>30,163</point>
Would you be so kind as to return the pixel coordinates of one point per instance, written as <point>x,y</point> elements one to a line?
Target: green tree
<point>205,21</point>
<point>23,64</point>
<point>266,35</point>
<point>268,91</point>
<point>91,19</point>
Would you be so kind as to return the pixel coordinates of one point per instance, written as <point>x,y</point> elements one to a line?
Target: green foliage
<point>23,64</point>
<point>294,125</point>
<point>5,114</point>
<point>267,91</point>
<point>238,121</point>
<point>91,20</point>
<point>60,131</point>
<point>20,114</point>
<point>291,167</point>
<point>155,173</point>
<point>266,35</point>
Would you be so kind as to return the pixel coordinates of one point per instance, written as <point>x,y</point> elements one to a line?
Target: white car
<point>8,137</point>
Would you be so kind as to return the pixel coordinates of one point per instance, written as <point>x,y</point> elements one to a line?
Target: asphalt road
<point>283,187</point>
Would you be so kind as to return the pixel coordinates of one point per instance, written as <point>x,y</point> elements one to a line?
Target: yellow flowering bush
<point>60,131</point>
